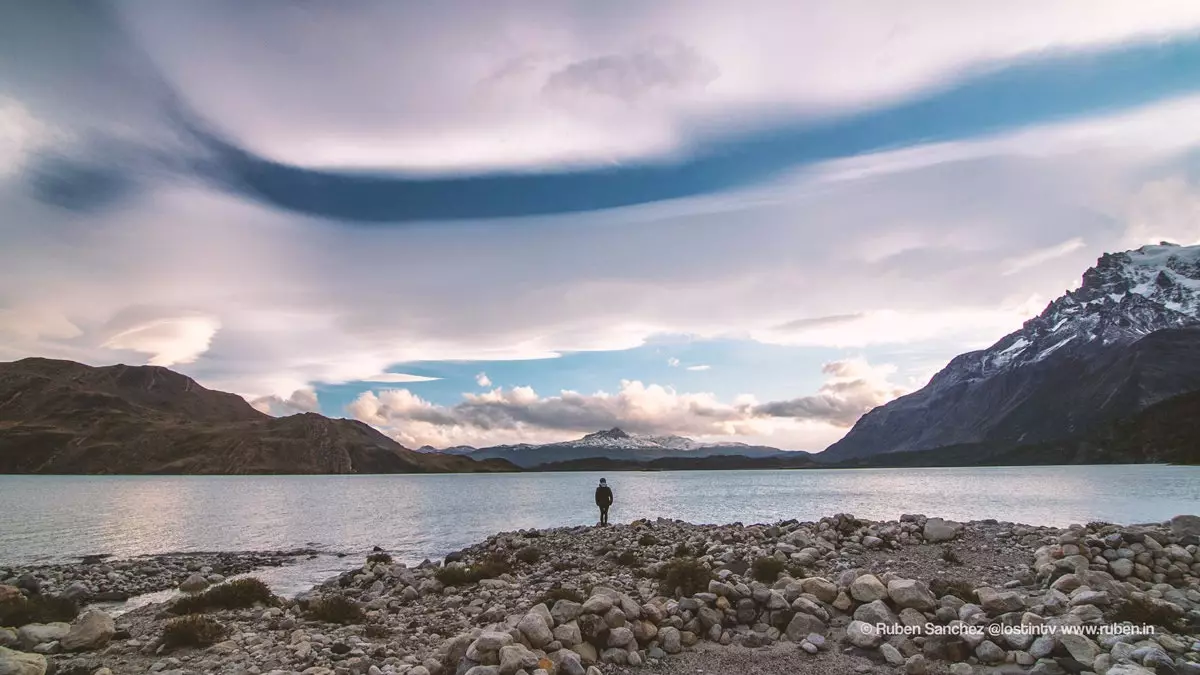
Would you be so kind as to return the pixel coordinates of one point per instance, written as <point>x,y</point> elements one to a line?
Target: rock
<point>568,634</point>
<point>961,669</point>
<point>891,655</point>
<point>868,588</point>
<point>946,648</point>
<point>802,625</point>
<point>597,604</point>
<point>863,635</point>
<point>1080,647</point>
<point>670,639</point>
<point>565,611</point>
<point>516,657</point>
<point>8,638</point>
<point>916,665</point>
<point>491,642</point>
<point>20,663</point>
<point>194,584</point>
<point>1121,567</point>
<point>820,587</point>
<point>938,530</point>
<point>1128,669</point>
<point>911,593</point>
<point>1186,526</point>
<point>621,637</point>
<point>999,602</point>
<point>478,670</point>
<point>875,613</point>
<point>34,634</point>
<point>91,630</point>
<point>989,652</point>
<point>534,628</point>
<point>77,591</point>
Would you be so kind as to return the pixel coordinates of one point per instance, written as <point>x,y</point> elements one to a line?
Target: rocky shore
<point>98,578</point>
<point>840,595</point>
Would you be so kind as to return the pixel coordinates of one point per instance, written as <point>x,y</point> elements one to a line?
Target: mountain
<point>69,418</point>
<point>1165,433</point>
<point>783,460</point>
<point>1126,339</point>
<point>615,444</point>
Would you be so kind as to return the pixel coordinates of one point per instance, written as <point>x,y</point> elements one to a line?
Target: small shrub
<point>335,609</point>
<point>238,594</point>
<point>951,556</point>
<point>461,575</point>
<point>797,571</point>
<point>192,631</point>
<point>767,568</point>
<point>682,550</point>
<point>1141,611</point>
<point>380,558</point>
<point>628,559</point>
<point>687,575</point>
<point>959,588</point>
<point>555,594</point>
<point>38,609</point>
<point>647,539</point>
<point>529,555</point>
<point>376,630</point>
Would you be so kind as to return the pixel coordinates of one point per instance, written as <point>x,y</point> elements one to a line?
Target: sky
<point>517,221</point>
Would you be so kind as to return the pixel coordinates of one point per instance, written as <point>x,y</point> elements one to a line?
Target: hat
<point>602,482</point>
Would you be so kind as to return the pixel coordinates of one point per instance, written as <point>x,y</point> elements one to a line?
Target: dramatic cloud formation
<point>301,401</point>
<point>280,198</point>
<point>521,415</point>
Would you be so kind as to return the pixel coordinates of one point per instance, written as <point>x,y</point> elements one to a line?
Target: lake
<point>47,518</point>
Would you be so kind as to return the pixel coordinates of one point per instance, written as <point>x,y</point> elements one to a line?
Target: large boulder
<point>820,587</point>
<point>863,635</point>
<point>802,625</point>
<point>534,628</point>
<point>868,588</point>
<point>876,612</point>
<point>194,584</point>
<point>1186,527</point>
<point>91,630</point>
<point>20,663</point>
<point>938,530</point>
<point>911,593</point>
<point>34,634</point>
<point>999,602</point>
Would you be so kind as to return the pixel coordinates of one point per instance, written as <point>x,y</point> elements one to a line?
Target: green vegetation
<point>37,609</point>
<point>238,594</point>
<point>959,588</point>
<point>555,594</point>
<point>380,558</point>
<point>685,551</point>
<point>335,609</point>
<point>529,555</point>
<point>628,559</point>
<point>192,631</point>
<point>456,574</point>
<point>688,576</point>
<point>647,539</point>
<point>767,569</point>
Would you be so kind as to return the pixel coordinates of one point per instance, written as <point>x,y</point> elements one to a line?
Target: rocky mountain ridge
<point>612,444</point>
<point>1127,338</point>
<point>68,418</point>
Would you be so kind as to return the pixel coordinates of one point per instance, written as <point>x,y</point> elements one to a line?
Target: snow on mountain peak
<point>1123,298</point>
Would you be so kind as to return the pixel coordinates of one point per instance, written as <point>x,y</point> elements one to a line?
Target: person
<point>604,499</point>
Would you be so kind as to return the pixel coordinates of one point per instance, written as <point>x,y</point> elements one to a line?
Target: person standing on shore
<point>604,499</point>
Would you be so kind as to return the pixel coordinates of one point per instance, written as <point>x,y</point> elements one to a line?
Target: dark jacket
<point>604,496</point>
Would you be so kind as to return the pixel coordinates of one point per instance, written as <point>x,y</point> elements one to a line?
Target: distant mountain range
<point>611,444</point>
<point>1095,359</point>
<point>64,417</point>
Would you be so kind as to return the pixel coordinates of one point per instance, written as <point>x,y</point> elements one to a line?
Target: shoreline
<point>567,599</point>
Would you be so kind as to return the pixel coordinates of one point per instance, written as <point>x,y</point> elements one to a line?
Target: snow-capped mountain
<point>1127,338</point>
<point>612,443</point>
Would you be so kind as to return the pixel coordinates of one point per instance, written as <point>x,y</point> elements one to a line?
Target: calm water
<point>46,518</point>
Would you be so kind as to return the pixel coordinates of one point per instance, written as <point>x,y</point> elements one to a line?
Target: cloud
<point>301,401</point>
<point>521,414</point>
<point>663,67</point>
<point>1035,258</point>
<point>169,340</point>
<point>483,380</point>
<point>853,388</point>
<point>699,367</point>
<point>399,378</point>
<point>673,362</point>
